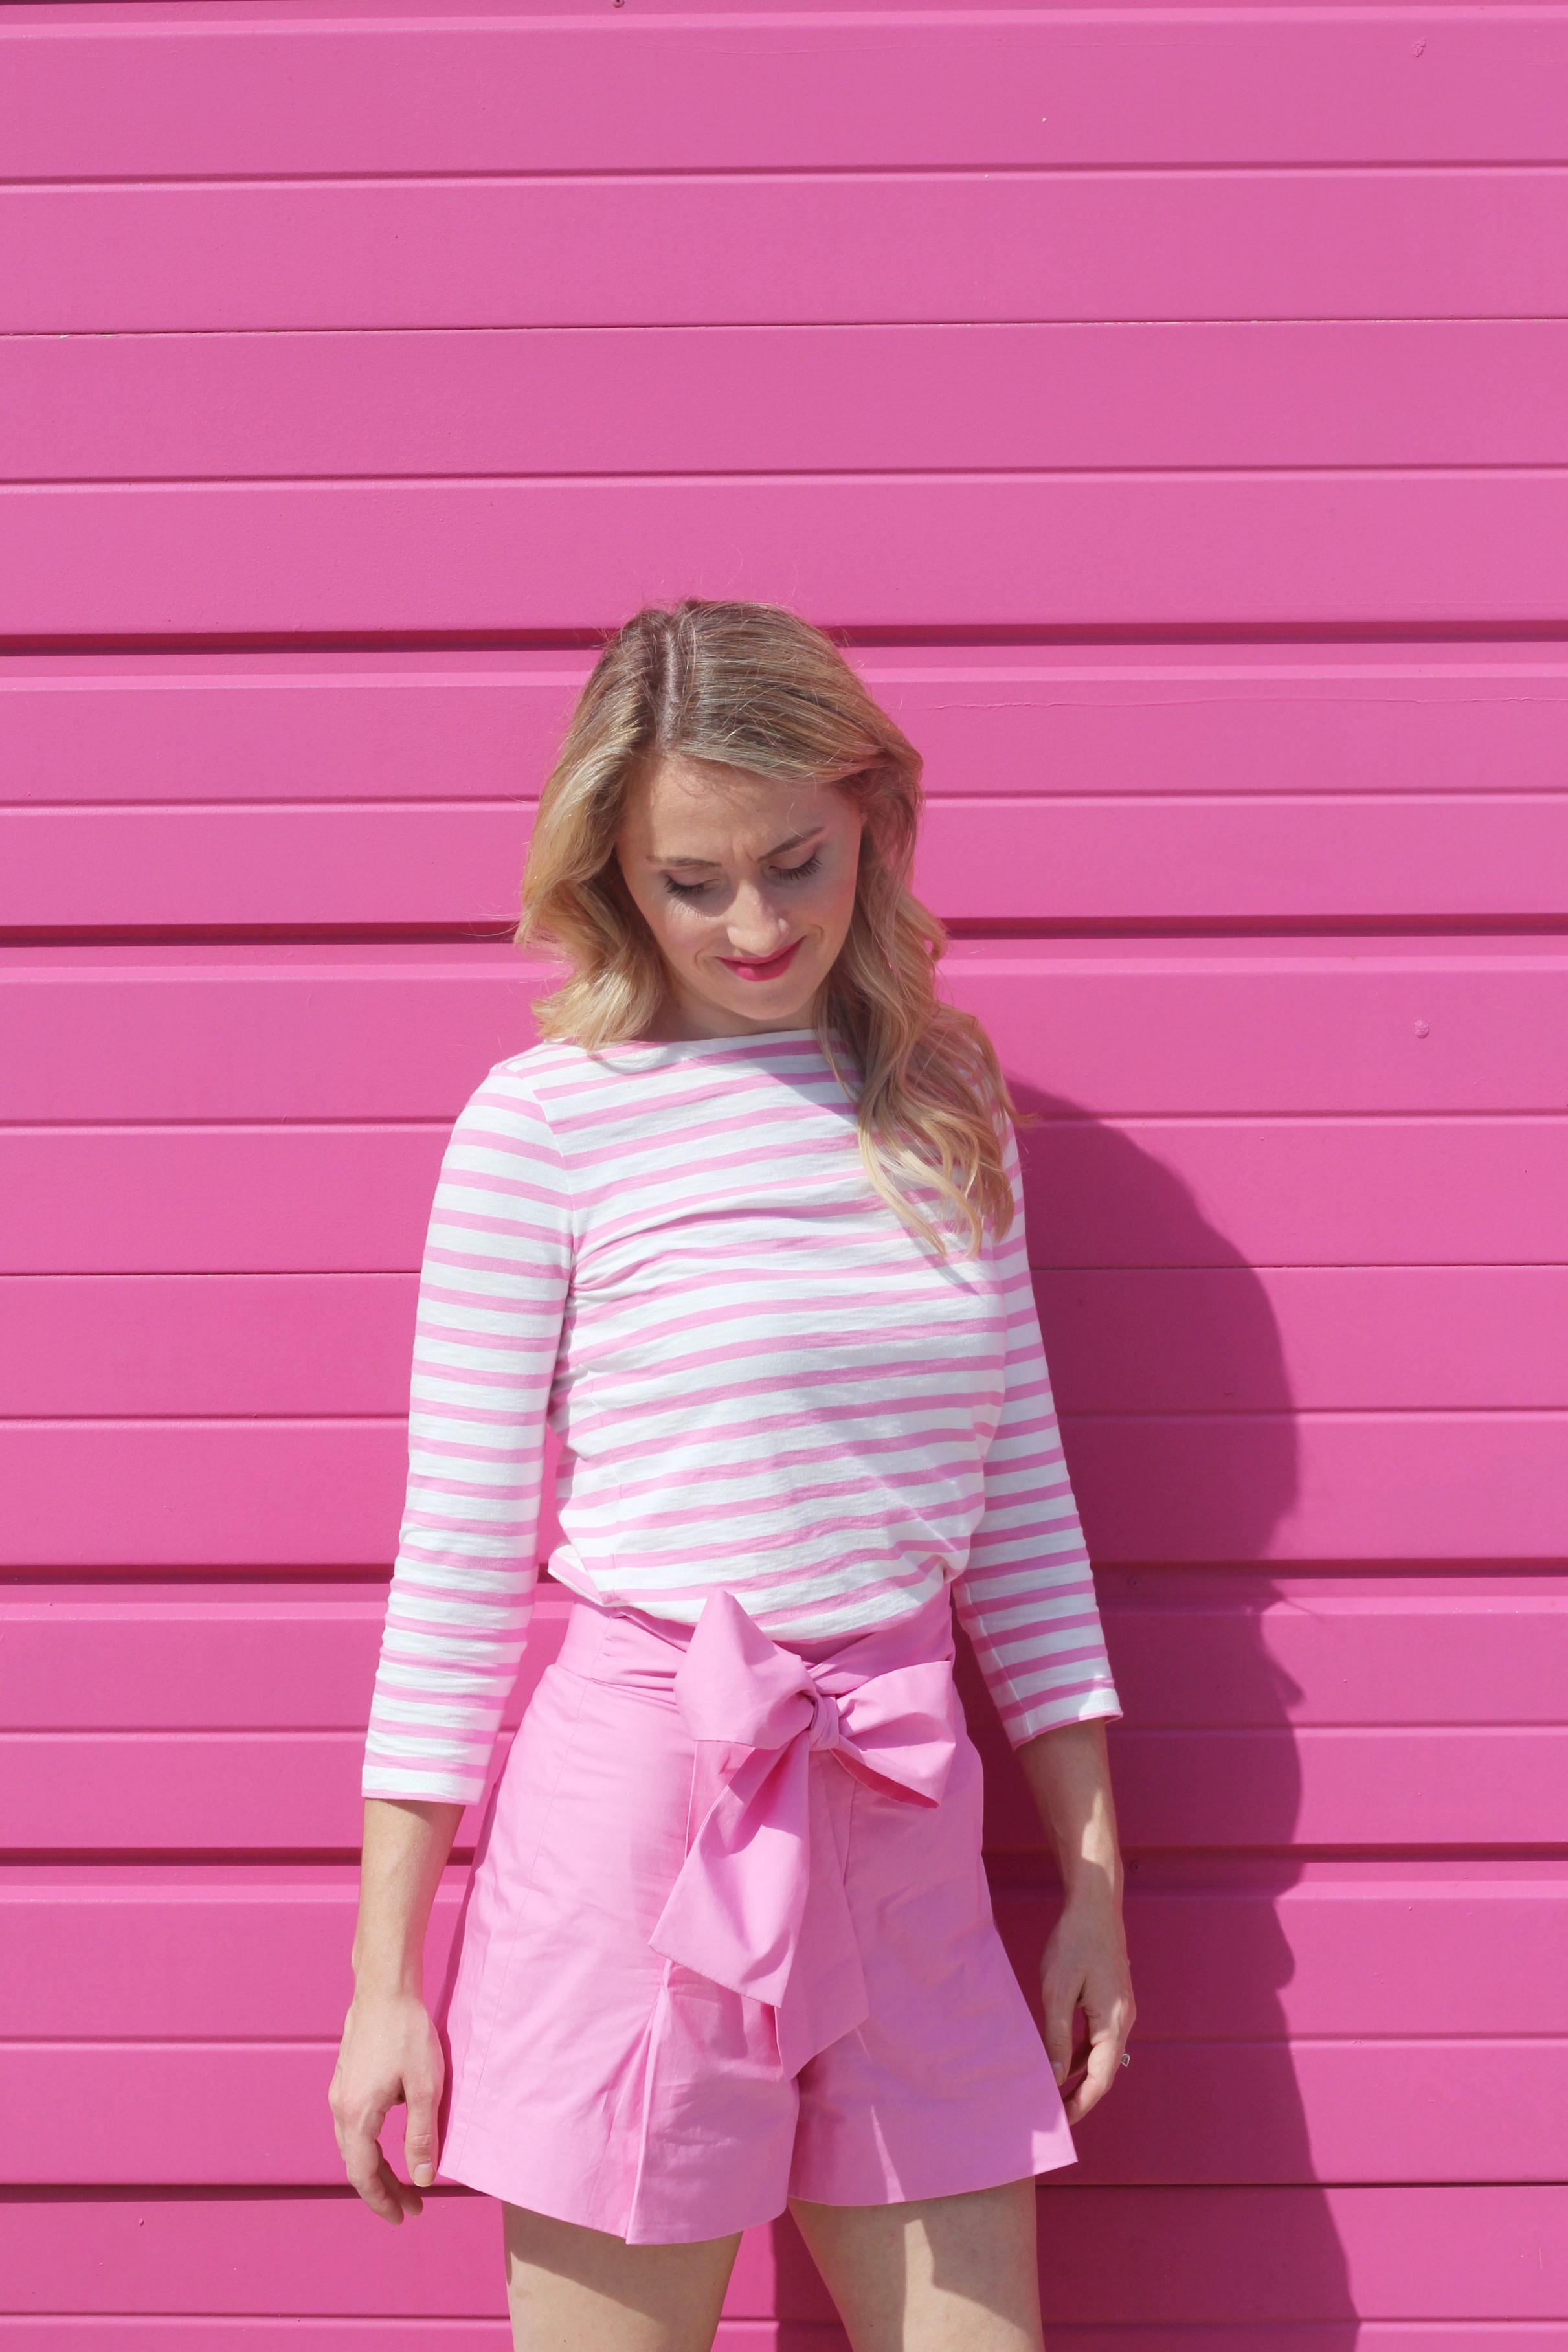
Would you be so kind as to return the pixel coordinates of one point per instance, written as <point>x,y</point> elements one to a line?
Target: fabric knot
<point>824,1718</point>
<point>759,1903</point>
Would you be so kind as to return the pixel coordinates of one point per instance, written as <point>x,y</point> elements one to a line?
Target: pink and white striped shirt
<point>759,1378</point>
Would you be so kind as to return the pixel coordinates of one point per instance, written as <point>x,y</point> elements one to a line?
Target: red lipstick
<point>768,967</point>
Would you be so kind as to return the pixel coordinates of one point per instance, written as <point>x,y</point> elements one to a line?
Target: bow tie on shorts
<point>760,1904</point>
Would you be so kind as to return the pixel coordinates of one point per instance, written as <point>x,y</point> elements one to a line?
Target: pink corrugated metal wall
<point>1170,405</point>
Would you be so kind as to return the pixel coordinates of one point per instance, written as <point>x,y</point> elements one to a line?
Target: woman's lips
<point>769,968</point>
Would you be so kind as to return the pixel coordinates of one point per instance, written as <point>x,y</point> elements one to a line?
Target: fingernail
<point>1058,2069</point>
<point>423,2174</point>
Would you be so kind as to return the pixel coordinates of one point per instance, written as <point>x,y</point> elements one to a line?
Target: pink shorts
<point>729,1940</point>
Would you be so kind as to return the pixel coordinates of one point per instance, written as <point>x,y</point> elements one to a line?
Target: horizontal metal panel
<point>351,1199</point>
<point>335,1032</point>
<point>1372,1025</point>
<point>248,94</point>
<point>1245,1647</point>
<point>1459,1786</point>
<point>794,248</point>
<point>1319,1339</point>
<point>1321,1486</point>
<point>1361,2111</point>
<point>206,1344</point>
<point>533,401</point>
<point>1189,1191</point>
<point>278,728</point>
<point>275,729</point>
<point>1419,549</point>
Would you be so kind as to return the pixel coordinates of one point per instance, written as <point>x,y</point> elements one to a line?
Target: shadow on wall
<point>1141,2230</point>
<point>1209,1953</point>
<point>1190,2120</point>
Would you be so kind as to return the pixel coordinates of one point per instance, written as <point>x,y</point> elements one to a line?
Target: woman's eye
<point>800,873</point>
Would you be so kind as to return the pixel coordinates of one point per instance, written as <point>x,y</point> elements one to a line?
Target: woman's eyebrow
<point>795,842</point>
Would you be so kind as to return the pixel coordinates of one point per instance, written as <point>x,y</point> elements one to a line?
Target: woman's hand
<point>390,2052</point>
<point>1085,1966</point>
<point>390,2056</point>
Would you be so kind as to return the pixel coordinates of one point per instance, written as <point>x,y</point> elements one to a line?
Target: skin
<point>725,867</point>
<point>728,868</point>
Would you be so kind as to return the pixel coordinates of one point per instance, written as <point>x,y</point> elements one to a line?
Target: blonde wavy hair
<point>755,687</point>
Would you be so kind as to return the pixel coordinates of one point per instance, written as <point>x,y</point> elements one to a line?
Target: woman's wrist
<point>1069,1777</point>
<point>1089,1861</point>
<point>388,1956</point>
<point>1091,1882</point>
<point>406,1842</point>
<point>377,1977</point>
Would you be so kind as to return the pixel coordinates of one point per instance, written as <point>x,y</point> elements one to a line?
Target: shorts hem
<point>1048,2155</point>
<point>587,2212</point>
<point>1051,2150</point>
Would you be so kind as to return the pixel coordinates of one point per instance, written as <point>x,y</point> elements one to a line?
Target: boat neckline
<point>664,1044</point>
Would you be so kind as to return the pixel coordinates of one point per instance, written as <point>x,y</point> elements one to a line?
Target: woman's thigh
<point>946,2274</point>
<point>576,2290</point>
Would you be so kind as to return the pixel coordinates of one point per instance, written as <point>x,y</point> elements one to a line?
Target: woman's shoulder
<point>637,1083</point>
<point>536,1065</point>
<point>559,1082</point>
<point>516,1091</point>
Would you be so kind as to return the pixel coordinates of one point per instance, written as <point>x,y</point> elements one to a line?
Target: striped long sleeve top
<point>759,1378</point>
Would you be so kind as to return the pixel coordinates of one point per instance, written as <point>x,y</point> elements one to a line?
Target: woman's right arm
<point>492,1291</point>
<point>390,2052</point>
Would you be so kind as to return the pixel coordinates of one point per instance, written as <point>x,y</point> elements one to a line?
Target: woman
<point>746,1229</point>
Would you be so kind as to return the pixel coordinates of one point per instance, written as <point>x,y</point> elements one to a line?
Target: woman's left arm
<point>1085,1965</point>
<point>1026,1601</point>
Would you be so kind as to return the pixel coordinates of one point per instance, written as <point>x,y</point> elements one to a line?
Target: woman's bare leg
<point>576,2290</point>
<point>947,2274</point>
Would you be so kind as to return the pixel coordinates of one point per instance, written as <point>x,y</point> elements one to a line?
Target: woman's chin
<point>782,1003</point>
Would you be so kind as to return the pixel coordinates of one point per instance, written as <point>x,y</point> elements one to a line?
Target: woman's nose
<point>755,923</point>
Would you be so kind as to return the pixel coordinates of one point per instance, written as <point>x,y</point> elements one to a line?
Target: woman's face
<point>747,885</point>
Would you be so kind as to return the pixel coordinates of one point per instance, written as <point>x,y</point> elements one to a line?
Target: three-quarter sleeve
<point>492,1291</point>
<point>1026,1596</point>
